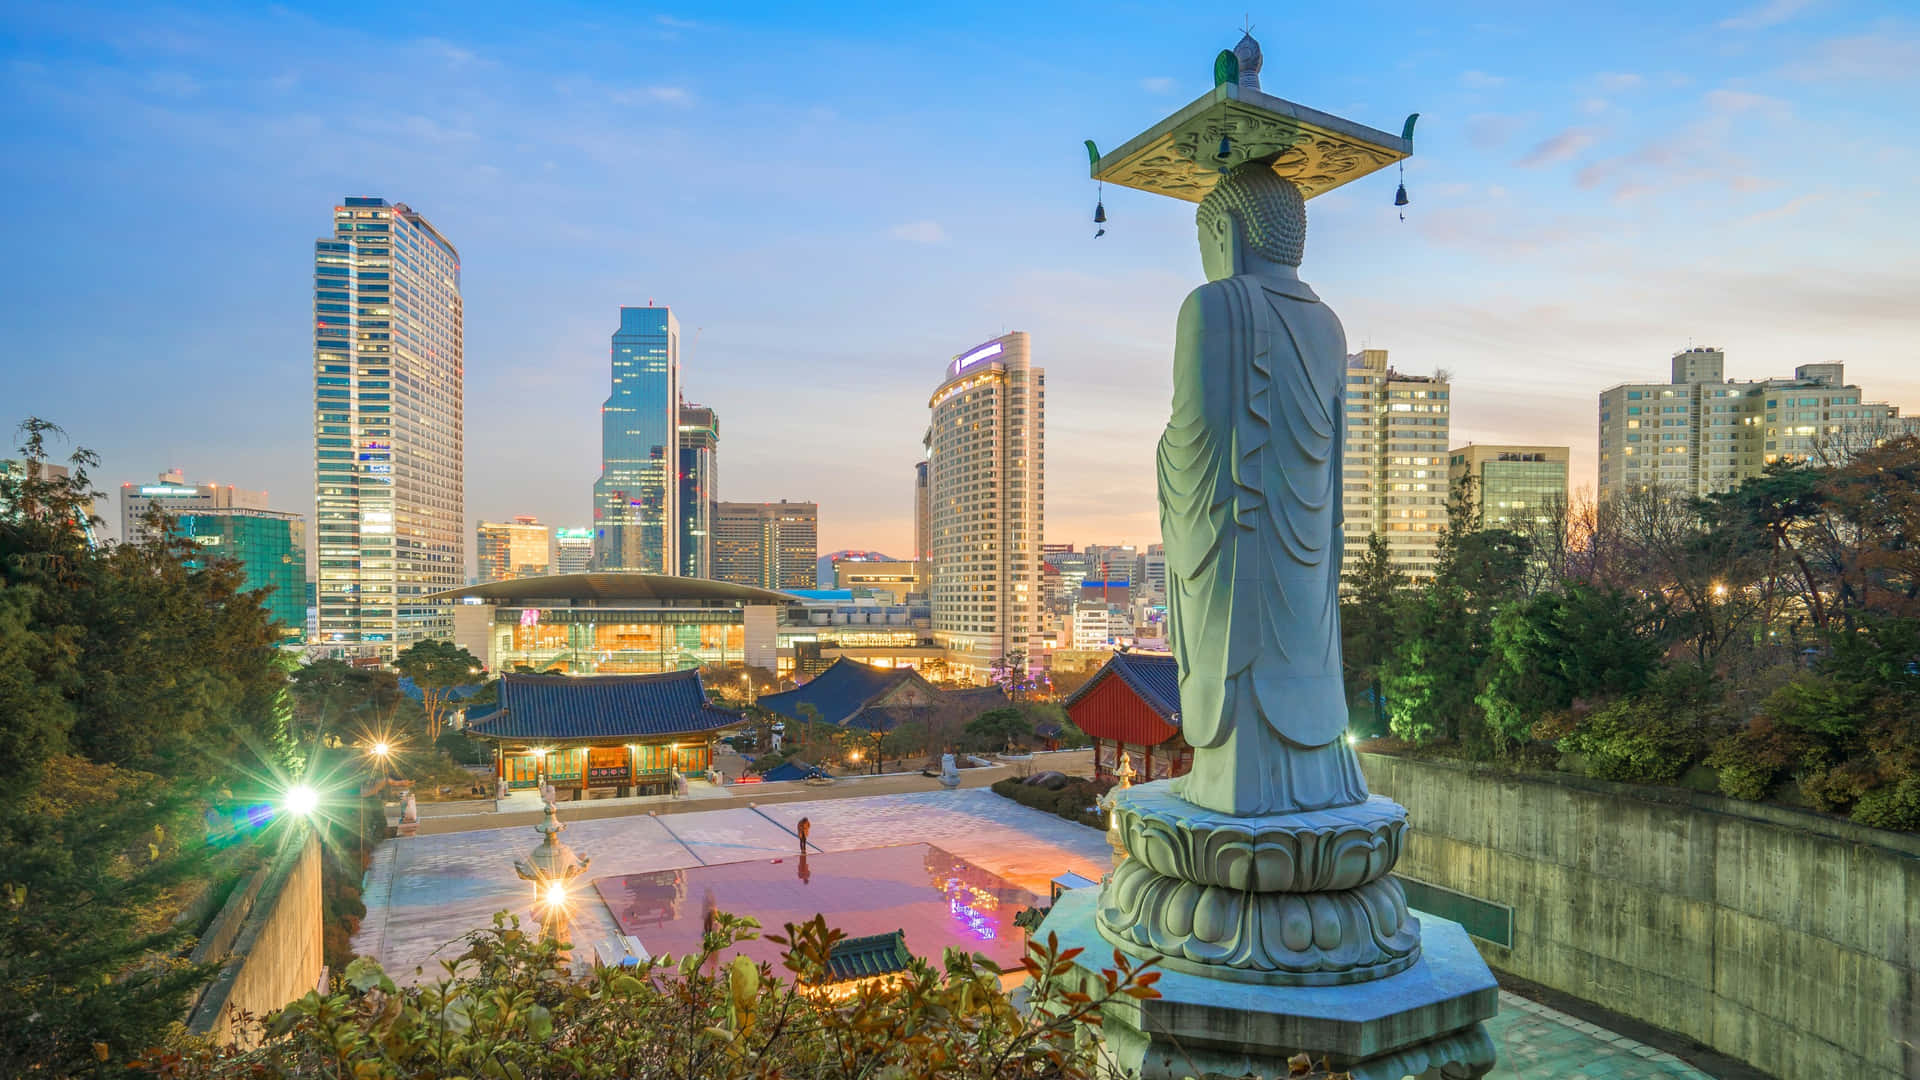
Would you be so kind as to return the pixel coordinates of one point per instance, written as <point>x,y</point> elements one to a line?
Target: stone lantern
<point>552,867</point>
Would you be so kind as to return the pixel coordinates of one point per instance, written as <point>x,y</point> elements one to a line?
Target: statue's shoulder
<point>1213,300</point>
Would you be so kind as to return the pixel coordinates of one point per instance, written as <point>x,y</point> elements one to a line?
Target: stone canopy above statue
<point>1185,155</point>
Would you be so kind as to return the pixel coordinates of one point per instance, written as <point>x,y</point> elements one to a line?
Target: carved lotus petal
<point>1178,915</point>
<point>1325,911</point>
<point>1274,866</point>
<point>1296,923</point>
<point>1217,917</point>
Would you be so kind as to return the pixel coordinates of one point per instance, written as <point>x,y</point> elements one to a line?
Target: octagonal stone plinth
<point>1424,1021</point>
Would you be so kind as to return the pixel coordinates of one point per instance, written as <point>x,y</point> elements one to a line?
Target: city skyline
<point>1558,242</point>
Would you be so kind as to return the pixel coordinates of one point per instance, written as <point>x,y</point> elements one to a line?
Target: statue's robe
<point>1250,491</point>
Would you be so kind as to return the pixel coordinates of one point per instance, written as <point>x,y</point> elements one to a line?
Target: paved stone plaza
<point>424,893</point>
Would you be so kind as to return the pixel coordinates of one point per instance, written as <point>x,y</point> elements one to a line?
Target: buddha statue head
<point>1252,222</point>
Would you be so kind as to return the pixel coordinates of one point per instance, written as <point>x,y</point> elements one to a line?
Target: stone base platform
<point>1423,1022</point>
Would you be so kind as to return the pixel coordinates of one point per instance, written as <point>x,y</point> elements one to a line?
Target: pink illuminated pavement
<point>938,898</point>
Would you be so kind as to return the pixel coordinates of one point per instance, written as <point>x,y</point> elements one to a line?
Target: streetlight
<point>380,749</point>
<point>301,800</point>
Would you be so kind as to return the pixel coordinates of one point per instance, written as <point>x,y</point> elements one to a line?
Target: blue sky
<point>836,201</point>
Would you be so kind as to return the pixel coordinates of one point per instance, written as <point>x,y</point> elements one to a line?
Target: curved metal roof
<point>613,585</point>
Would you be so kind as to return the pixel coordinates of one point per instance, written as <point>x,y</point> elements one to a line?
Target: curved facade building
<point>617,623</point>
<point>985,493</point>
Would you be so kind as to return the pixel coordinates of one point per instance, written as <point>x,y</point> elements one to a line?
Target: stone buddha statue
<point>1250,486</point>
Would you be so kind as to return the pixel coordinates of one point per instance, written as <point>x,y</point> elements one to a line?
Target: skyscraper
<point>1702,433</point>
<point>514,549</point>
<point>773,545</point>
<point>572,551</point>
<point>389,428</point>
<point>922,528</point>
<point>699,487</point>
<point>1395,474</point>
<point>1512,487</point>
<point>986,462</point>
<point>636,501</point>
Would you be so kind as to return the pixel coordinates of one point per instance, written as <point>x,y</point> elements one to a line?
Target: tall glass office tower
<point>699,488</point>
<point>389,429</point>
<point>636,501</point>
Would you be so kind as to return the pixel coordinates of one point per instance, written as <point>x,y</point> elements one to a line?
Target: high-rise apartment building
<point>922,527</point>
<point>1395,471</point>
<point>225,522</point>
<point>699,488</point>
<point>1701,432</point>
<point>986,454</point>
<point>636,501</point>
<point>389,429</point>
<point>572,551</point>
<point>773,545</point>
<point>514,549</point>
<point>1512,487</point>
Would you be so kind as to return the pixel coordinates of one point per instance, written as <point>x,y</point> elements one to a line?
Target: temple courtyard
<point>425,893</point>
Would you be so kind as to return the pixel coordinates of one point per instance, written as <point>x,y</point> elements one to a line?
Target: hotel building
<point>389,429</point>
<point>986,464</point>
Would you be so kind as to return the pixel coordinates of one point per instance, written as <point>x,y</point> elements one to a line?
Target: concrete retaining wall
<point>274,925</point>
<point>1785,939</point>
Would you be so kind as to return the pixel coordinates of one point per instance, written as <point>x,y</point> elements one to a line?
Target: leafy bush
<point>1070,802</point>
<point>1891,806</point>
<point>508,1007</point>
<point>1750,761</point>
<point>1653,737</point>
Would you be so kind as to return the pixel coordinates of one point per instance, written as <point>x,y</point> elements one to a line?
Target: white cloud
<point>675,23</point>
<point>1786,209</point>
<point>1761,16</point>
<point>1594,106</point>
<point>1558,147</point>
<point>1884,57</point>
<point>1740,101</point>
<point>1614,82</point>
<point>1489,131</point>
<point>669,95</point>
<point>1158,84</point>
<point>452,54</point>
<point>919,232</point>
<point>1480,80</point>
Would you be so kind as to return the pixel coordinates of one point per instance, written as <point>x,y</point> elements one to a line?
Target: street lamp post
<point>551,867</point>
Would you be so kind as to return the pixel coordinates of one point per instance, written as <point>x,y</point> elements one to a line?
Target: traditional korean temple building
<point>852,694</point>
<point>627,733</point>
<point>1132,706</point>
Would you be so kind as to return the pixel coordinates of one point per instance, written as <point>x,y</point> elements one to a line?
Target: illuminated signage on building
<point>967,360</point>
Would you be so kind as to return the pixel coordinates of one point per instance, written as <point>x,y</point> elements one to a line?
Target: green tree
<point>132,684</point>
<point>1559,648</point>
<point>438,669</point>
<point>1370,622</point>
<point>997,729</point>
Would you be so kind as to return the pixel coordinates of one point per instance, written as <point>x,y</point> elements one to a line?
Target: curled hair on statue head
<point>1272,213</point>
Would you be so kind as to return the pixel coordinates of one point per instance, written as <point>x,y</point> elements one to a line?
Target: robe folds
<point>1250,471</point>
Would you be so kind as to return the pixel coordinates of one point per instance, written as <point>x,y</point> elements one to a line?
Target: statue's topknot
<point>1273,216</point>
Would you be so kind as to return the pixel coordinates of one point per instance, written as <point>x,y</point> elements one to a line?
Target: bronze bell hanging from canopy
<point>1400,197</point>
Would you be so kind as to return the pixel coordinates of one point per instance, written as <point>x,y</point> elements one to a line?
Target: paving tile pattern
<point>424,893</point>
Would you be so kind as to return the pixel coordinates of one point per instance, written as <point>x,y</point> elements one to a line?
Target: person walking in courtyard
<point>806,826</point>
